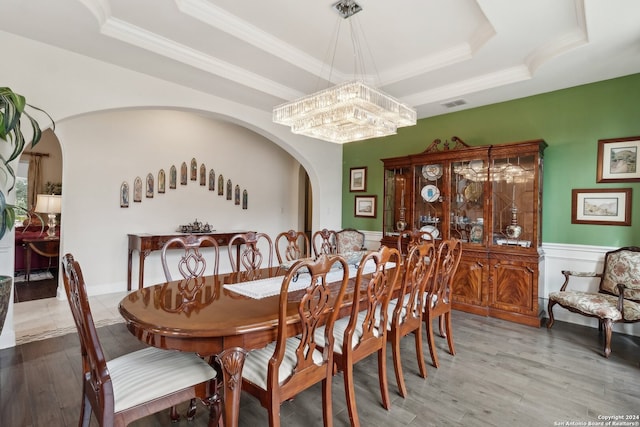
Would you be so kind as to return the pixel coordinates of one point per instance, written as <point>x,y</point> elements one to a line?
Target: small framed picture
<point>124,195</point>
<point>358,179</point>
<point>365,206</point>
<point>603,206</point>
<point>618,160</point>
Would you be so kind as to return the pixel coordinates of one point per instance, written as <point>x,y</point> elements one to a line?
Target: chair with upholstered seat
<point>293,362</point>
<point>192,262</point>
<point>617,298</point>
<point>349,240</point>
<point>292,245</point>
<point>437,303</point>
<point>364,331</point>
<point>254,246</point>
<point>405,312</point>
<point>324,242</point>
<point>134,385</point>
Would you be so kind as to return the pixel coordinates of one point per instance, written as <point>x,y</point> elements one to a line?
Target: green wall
<point>571,121</point>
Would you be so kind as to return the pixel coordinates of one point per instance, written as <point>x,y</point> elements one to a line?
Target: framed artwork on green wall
<point>365,206</point>
<point>618,160</point>
<point>601,206</point>
<point>358,179</point>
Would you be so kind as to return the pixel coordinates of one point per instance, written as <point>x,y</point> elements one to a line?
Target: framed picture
<point>618,160</point>
<point>124,195</point>
<point>365,206</point>
<point>603,206</point>
<point>358,179</point>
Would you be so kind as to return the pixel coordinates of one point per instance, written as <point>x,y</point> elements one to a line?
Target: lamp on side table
<point>49,204</point>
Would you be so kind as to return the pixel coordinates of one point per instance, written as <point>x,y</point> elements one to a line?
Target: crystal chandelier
<point>347,112</point>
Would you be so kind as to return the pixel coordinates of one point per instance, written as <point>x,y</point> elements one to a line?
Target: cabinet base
<point>534,321</point>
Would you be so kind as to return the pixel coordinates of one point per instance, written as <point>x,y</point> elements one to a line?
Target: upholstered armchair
<point>618,296</point>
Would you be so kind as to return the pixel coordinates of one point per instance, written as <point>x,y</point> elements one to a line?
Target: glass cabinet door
<point>514,201</point>
<point>397,196</point>
<point>429,209</point>
<point>468,189</point>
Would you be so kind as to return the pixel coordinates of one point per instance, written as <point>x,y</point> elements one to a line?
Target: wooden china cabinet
<point>488,196</point>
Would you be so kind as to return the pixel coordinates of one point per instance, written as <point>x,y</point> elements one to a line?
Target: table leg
<point>143,255</point>
<point>27,262</point>
<point>231,360</point>
<point>129,264</point>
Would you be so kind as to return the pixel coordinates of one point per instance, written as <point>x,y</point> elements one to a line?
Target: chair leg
<point>441,325</point>
<point>422,366</point>
<point>327,409</point>
<point>174,415</point>
<point>397,363</point>
<point>85,412</point>
<point>273,407</point>
<point>382,374</point>
<point>350,395</point>
<point>608,324</point>
<point>191,411</point>
<point>432,344</point>
<point>550,312</point>
<point>447,317</point>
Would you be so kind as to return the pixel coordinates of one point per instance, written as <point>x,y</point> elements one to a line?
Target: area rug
<point>56,332</point>
<point>33,277</point>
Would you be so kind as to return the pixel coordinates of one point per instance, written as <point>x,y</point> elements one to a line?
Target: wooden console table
<point>146,243</point>
<point>45,246</point>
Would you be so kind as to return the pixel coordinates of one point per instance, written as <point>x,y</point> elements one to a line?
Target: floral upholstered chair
<point>618,296</point>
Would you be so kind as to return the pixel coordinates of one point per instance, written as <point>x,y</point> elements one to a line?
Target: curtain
<point>34,179</point>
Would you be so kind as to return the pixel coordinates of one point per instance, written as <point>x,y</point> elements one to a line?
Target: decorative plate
<point>432,172</point>
<point>430,193</point>
<point>473,191</point>
<point>431,229</point>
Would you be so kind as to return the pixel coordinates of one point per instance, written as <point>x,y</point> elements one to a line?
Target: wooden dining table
<point>202,316</point>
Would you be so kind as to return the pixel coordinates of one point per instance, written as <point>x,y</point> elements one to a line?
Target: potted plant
<point>12,142</point>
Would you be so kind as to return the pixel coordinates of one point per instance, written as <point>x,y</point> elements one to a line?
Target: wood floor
<point>40,289</point>
<point>503,374</point>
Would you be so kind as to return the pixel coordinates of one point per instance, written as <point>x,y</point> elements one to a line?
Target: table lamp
<point>49,204</point>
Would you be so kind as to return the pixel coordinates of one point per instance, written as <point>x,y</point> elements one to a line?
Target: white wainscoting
<point>555,258</point>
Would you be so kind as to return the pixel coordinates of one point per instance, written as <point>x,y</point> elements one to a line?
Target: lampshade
<point>347,112</point>
<point>48,203</point>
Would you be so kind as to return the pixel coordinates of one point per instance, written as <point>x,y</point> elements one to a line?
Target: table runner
<point>263,288</point>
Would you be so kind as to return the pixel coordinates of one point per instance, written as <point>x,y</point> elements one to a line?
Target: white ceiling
<point>424,52</point>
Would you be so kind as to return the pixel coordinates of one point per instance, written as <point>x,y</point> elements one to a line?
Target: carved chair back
<point>256,252</point>
<point>410,238</point>
<point>192,262</point>
<point>324,242</point>
<point>292,245</point>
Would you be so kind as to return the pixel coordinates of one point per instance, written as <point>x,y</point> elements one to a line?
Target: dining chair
<point>364,331</point>
<point>406,311</point>
<point>192,262</point>
<point>252,257</point>
<point>349,240</point>
<point>294,362</point>
<point>437,302</point>
<point>410,238</point>
<point>324,242</point>
<point>136,384</point>
<point>292,245</point>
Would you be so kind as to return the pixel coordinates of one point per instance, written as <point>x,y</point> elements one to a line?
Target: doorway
<point>36,263</point>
